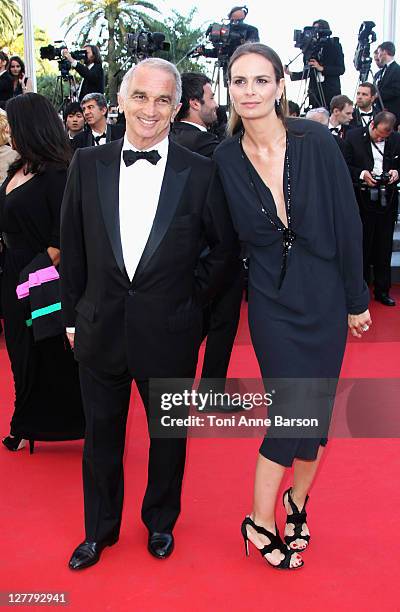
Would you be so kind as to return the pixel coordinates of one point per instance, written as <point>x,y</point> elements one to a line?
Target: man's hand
<point>394,176</point>
<point>315,64</point>
<point>360,323</point>
<point>71,339</point>
<point>369,179</point>
<point>54,255</point>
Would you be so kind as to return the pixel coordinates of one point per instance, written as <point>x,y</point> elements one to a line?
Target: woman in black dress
<point>292,203</point>
<point>21,83</point>
<point>47,396</point>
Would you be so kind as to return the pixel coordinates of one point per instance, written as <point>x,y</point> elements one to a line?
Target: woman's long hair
<point>37,134</point>
<point>19,61</point>
<point>235,123</point>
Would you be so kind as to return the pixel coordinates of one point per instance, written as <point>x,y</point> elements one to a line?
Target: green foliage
<point>10,22</point>
<point>46,84</point>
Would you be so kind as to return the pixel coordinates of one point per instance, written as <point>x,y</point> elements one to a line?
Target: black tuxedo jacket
<point>358,155</point>
<point>389,88</point>
<point>357,121</point>
<point>6,89</point>
<point>152,324</point>
<point>85,138</point>
<point>332,59</point>
<point>194,139</point>
<point>93,79</point>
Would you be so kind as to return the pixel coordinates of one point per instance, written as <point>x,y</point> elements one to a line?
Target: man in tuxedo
<point>6,82</point>
<point>323,69</point>
<point>197,114</point>
<point>91,71</point>
<point>369,152</point>
<point>97,131</point>
<point>73,119</point>
<point>341,109</point>
<point>221,317</point>
<point>133,287</point>
<point>364,110</point>
<point>387,80</point>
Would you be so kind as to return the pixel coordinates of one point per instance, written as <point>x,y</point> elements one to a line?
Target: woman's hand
<point>54,255</point>
<point>360,323</point>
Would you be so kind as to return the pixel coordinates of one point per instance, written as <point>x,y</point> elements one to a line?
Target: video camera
<point>225,38</point>
<point>50,52</point>
<point>362,57</point>
<point>143,44</point>
<point>310,40</point>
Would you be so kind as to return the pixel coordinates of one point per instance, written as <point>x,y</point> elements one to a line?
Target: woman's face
<point>253,87</point>
<point>15,68</point>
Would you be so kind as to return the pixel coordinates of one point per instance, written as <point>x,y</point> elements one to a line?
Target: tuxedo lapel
<point>176,174</point>
<point>108,168</point>
<point>367,147</point>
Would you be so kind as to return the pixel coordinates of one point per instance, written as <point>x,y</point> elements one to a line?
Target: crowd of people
<point>122,248</point>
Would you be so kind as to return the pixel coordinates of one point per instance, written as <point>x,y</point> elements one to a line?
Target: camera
<point>362,57</point>
<point>310,41</point>
<point>50,52</point>
<point>378,192</point>
<point>143,44</point>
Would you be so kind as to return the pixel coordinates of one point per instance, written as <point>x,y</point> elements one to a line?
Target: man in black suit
<point>341,109</point>
<point>97,131</point>
<point>364,109</point>
<point>369,152</point>
<point>387,80</point>
<point>134,287</point>
<point>6,82</point>
<point>323,70</point>
<point>221,318</point>
<point>197,113</point>
<point>91,71</point>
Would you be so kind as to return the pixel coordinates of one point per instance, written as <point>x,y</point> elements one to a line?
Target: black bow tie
<point>130,157</point>
<point>366,114</point>
<point>98,138</point>
<point>336,129</point>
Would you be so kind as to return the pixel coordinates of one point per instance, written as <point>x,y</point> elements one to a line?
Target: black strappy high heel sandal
<point>14,443</point>
<point>297,519</point>
<point>275,543</point>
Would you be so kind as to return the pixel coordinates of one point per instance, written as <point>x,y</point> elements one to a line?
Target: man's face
<point>376,58</point>
<point>75,122</point>
<point>92,113</point>
<point>380,132</point>
<point>149,106</point>
<point>238,16</point>
<point>344,116</point>
<point>3,65</point>
<point>382,56</point>
<point>364,98</point>
<point>208,106</point>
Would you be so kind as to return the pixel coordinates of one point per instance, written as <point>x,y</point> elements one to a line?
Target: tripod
<point>220,78</point>
<point>315,99</point>
<point>60,101</point>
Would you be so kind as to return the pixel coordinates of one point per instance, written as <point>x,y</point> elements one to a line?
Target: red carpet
<point>353,561</point>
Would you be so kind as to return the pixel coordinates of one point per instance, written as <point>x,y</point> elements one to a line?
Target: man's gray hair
<point>318,111</point>
<point>97,97</point>
<point>161,64</point>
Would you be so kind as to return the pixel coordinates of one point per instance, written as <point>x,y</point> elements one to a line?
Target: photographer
<point>387,80</point>
<point>236,17</point>
<point>91,71</point>
<point>323,68</point>
<point>372,155</point>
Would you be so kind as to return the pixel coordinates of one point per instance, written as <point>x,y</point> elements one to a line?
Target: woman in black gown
<point>47,395</point>
<point>292,203</point>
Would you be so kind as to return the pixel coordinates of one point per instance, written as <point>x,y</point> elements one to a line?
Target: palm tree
<point>112,16</point>
<point>10,22</point>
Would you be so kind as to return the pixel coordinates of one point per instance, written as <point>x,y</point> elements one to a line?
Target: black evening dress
<point>47,395</point>
<point>299,297</point>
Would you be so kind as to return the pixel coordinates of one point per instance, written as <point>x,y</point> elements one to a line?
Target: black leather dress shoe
<point>385,299</point>
<point>160,545</point>
<point>88,553</point>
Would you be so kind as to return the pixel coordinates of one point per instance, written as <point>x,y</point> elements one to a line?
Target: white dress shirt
<point>103,138</point>
<point>139,192</point>
<point>378,158</point>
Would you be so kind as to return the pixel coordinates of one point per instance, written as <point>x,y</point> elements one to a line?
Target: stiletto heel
<point>31,446</point>
<point>275,543</point>
<point>297,519</point>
